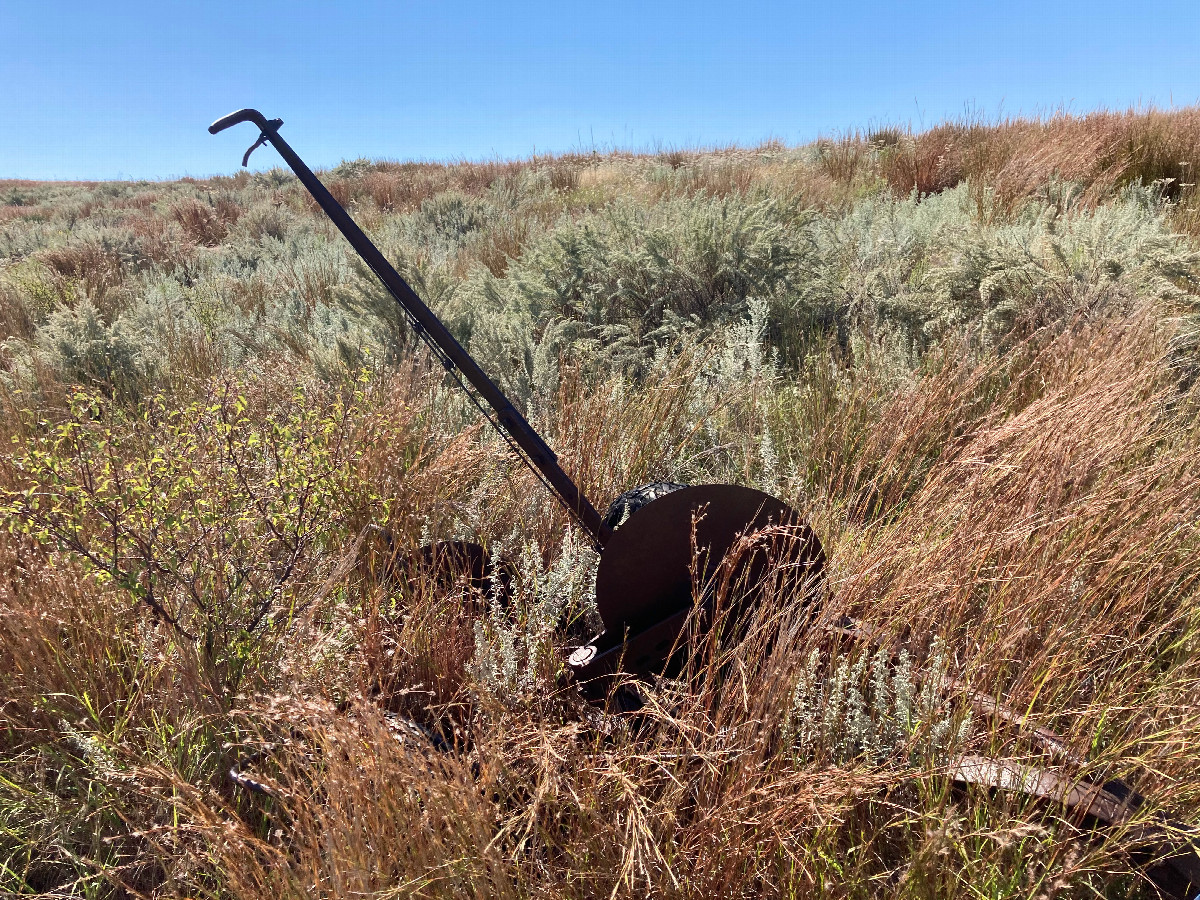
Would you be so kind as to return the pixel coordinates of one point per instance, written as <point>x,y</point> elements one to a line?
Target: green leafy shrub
<point>630,281</point>
<point>910,273</point>
<point>219,523</point>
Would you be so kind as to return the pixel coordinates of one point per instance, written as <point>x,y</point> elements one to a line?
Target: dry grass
<point>15,319</point>
<point>90,268</point>
<point>206,224</point>
<point>1019,518</point>
<point>397,191</point>
<point>403,187</point>
<point>1014,158</point>
<point>1034,521</point>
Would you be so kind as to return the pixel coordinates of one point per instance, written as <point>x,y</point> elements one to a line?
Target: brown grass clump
<point>344,190</point>
<point>398,191</point>
<point>1102,151</point>
<point>1089,607</point>
<point>403,187</point>
<point>503,244</point>
<point>564,177</point>
<point>206,224</point>
<point>15,320</point>
<point>160,243</point>
<point>428,826</point>
<point>26,213</point>
<point>844,158</point>
<point>476,177</point>
<point>89,267</point>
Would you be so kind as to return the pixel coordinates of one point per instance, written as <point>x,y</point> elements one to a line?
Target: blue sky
<point>125,89</point>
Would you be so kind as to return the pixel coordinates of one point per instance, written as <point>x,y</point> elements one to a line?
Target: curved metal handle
<point>242,115</point>
<point>267,127</point>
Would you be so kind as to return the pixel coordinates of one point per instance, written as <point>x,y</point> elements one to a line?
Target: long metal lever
<point>515,426</point>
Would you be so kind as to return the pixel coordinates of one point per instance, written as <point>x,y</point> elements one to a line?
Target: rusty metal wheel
<point>683,548</point>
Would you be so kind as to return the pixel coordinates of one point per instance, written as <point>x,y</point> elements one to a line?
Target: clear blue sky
<point>125,89</point>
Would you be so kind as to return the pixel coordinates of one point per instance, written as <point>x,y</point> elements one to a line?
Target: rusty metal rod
<point>509,420</point>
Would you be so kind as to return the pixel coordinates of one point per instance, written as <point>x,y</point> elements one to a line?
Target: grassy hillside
<point>969,355</point>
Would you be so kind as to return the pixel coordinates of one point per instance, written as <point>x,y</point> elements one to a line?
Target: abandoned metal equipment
<point>669,551</point>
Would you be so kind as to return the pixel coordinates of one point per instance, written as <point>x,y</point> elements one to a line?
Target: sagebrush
<point>969,355</point>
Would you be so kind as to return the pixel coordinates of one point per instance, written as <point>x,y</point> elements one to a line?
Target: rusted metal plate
<point>646,573</point>
<point>691,545</point>
<point>1166,850</point>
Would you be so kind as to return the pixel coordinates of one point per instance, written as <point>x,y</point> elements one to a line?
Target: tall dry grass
<point>1015,516</point>
<point>1030,529</point>
<point>1010,160</point>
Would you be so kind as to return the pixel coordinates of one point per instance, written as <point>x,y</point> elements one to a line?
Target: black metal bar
<point>510,419</point>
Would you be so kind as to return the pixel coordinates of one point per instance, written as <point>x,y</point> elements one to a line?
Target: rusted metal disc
<point>652,568</point>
